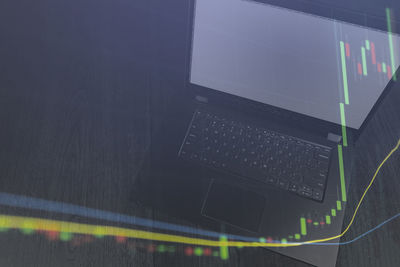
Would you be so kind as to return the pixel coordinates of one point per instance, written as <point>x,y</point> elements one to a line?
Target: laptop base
<point>179,188</point>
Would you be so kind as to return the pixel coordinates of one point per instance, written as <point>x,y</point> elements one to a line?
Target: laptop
<point>275,101</point>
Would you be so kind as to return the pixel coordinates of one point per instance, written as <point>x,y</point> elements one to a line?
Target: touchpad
<point>234,205</point>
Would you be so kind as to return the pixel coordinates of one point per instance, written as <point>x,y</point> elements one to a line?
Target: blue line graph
<point>11,200</point>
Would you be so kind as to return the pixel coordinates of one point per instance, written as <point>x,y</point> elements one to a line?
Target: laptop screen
<point>312,65</point>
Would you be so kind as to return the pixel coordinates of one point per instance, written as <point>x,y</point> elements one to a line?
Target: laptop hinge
<point>334,137</point>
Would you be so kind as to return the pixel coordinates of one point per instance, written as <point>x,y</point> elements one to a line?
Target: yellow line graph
<point>359,202</point>
<point>19,222</point>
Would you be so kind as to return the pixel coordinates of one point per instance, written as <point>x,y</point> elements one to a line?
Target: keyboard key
<point>314,183</point>
<point>323,158</point>
<point>323,165</point>
<point>259,154</point>
<point>304,193</point>
<point>305,188</point>
<point>321,176</point>
<point>197,128</point>
<point>283,183</point>
<point>293,187</point>
<point>324,152</point>
<point>317,194</point>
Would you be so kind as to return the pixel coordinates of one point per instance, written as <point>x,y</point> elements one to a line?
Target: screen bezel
<point>321,127</point>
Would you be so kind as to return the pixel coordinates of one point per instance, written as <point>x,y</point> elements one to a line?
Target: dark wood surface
<point>81,86</point>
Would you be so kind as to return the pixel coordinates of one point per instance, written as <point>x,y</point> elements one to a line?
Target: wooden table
<point>82,85</point>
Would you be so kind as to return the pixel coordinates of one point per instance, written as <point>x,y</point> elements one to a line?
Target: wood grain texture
<point>82,86</point>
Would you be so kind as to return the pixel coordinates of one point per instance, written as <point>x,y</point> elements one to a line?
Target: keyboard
<point>240,148</point>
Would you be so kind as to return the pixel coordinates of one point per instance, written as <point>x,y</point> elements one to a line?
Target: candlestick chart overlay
<point>65,230</point>
<point>361,60</point>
